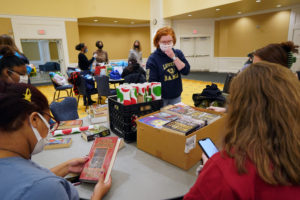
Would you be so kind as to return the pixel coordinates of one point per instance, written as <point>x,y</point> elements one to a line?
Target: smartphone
<point>208,147</point>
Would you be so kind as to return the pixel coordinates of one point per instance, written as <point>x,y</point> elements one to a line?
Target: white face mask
<point>41,142</point>
<point>165,47</point>
<point>23,79</point>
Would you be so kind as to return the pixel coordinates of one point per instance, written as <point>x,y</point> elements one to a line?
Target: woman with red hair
<point>166,65</point>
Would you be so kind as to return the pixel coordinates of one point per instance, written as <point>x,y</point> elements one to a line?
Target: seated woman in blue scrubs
<point>24,117</point>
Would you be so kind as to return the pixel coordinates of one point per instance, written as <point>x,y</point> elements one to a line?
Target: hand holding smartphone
<point>208,147</point>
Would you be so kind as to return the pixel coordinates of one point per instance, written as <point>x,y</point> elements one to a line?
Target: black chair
<point>61,88</point>
<point>103,87</point>
<point>65,110</point>
<point>83,90</point>
<point>50,66</point>
<point>228,80</point>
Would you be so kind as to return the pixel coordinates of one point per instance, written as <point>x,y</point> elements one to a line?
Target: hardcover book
<point>91,134</point>
<point>56,143</point>
<point>183,126</point>
<point>69,124</point>
<point>101,157</point>
<point>154,121</point>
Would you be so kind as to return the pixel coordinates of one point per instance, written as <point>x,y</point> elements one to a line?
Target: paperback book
<point>165,115</point>
<point>69,124</point>
<point>154,121</point>
<point>178,109</point>
<point>98,113</point>
<point>56,143</point>
<point>183,126</point>
<point>90,135</point>
<point>101,157</point>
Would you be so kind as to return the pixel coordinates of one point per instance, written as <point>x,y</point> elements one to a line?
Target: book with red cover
<point>102,156</point>
<point>69,124</point>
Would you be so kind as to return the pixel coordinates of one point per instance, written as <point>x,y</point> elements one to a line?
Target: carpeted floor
<point>189,88</point>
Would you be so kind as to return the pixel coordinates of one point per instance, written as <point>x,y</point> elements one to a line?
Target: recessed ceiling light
<point>278,6</point>
<point>258,1</point>
<point>189,15</point>
<point>96,20</point>
<point>116,21</point>
<point>239,12</point>
<point>218,9</point>
<point>132,22</point>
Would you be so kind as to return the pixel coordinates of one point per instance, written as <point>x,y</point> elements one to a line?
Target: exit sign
<point>41,32</point>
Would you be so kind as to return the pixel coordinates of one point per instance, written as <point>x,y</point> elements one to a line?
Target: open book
<point>102,156</point>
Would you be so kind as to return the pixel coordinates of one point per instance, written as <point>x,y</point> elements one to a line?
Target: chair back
<point>65,110</point>
<point>103,85</point>
<point>53,83</point>
<point>82,86</point>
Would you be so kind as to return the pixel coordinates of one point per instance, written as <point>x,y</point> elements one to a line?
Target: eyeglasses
<point>166,42</point>
<point>12,71</point>
<point>52,122</point>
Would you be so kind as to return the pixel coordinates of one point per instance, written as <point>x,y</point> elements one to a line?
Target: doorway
<point>45,55</point>
<point>197,51</point>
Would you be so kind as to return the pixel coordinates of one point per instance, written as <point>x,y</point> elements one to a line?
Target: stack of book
<point>98,114</point>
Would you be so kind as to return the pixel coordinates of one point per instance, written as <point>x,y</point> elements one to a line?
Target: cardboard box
<point>182,151</point>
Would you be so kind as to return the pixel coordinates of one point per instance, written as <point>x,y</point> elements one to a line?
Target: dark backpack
<point>135,78</point>
<point>211,95</point>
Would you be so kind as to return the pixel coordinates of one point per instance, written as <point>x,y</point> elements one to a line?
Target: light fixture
<point>258,1</point>
<point>116,21</point>
<point>218,9</point>
<point>96,20</point>
<point>278,6</point>
<point>132,22</point>
<point>239,12</point>
<point>189,15</point>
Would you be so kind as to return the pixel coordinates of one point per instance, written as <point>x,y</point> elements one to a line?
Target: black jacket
<point>83,62</point>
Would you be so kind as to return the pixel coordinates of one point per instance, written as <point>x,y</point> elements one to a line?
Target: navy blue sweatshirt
<point>162,69</point>
<point>83,62</point>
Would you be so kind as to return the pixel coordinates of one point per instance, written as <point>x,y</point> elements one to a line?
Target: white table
<point>135,175</point>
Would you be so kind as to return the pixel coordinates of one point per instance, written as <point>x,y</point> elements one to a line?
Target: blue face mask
<point>28,69</point>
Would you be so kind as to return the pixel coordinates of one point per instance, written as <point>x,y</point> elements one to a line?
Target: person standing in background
<point>136,52</point>
<point>166,65</point>
<point>102,56</point>
<point>83,63</point>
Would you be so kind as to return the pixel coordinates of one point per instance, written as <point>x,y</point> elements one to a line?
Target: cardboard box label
<point>190,144</point>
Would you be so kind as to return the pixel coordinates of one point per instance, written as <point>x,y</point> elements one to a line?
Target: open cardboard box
<point>182,151</point>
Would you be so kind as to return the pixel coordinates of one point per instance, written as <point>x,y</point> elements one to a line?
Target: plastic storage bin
<point>122,118</point>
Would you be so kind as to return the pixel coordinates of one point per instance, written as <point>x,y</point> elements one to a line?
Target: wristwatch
<point>174,58</point>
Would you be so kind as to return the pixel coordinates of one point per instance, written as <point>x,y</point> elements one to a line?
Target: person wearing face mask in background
<point>83,63</point>
<point>136,52</point>
<point>24,127</point>
<point>102,56</point>
<point>166,65</point>
<point>12,67</point>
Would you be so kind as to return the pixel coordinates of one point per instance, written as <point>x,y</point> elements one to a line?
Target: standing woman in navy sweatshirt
<point>83,63</point>
<point>166,65</point>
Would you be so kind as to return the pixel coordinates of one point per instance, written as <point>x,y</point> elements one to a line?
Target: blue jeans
<point>172,101</point>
